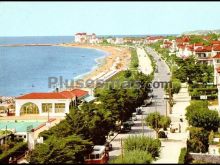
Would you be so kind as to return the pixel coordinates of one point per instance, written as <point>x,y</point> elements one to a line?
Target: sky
<point>106,18</point>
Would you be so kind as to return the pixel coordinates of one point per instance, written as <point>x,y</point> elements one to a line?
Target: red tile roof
<point>198,44</point>
<point>55,95</point>
<point>217,55</point>
<point>216,48</point>
<point>182,39</point>
<point>80,34</point>
<point>204,49</point>
<point>215,42</point>
<point>155,37</point>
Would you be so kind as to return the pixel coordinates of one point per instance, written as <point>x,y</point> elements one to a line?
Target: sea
<point>28,69</point>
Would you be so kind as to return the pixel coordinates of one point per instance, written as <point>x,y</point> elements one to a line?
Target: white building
<point>85,38</point>
<point>58,103</point>
<point>119,41</point>
<point>110,40</point>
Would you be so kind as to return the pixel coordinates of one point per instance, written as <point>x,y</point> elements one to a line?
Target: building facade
<point>44,104</point>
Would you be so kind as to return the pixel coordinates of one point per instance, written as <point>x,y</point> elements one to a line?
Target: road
<point>159,103</point>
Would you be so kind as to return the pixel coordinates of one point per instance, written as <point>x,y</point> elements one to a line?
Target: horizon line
<point>96,35</point>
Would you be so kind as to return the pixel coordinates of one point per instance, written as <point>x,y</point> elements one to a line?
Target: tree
<point>133,157</point>
<point>176,86</point>
<point>143,143</point>
<point>55,150</point>
<point>157,121</point>
<point>199,140</point>
<point>198,115</point>
<point>127,74</point>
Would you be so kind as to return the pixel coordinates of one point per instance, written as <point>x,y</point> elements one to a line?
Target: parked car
<point>131,122</point>
<point>126,127</point>
<point>138,111</point>
<point>134,117</point>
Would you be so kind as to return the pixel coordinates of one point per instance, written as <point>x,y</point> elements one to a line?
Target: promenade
<point>138,129</point>
<point>145,64</point>
<point>171,148</point>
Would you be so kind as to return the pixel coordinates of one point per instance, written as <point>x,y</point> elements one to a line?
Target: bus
<point>99,155</point>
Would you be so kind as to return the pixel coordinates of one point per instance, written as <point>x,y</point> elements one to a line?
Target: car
<point>125,127</point>
<point>131,122</point>
<point>134,117</point>
<point>138,111</point>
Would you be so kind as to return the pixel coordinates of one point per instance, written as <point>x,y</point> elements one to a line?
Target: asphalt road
<point>159,103</point>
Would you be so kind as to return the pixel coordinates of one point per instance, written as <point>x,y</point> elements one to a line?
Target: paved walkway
<point>145,64</point>
<point>146,67</point>
<point>171,149</point>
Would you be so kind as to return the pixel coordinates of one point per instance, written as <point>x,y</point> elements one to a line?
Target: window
<point>218,61</point>
<point>46,107</point>
<point>59,107</point>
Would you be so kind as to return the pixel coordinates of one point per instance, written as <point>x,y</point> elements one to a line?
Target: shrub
<point>198,115</point>
<point>199,140</point>
<point>133,157</point>
<point>176,85</point>
<point>143,143</point>
<point>127,74</point>
<point>162,134</point>
<point>183,156</point>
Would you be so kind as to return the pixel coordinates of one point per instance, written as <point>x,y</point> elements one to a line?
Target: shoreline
<point>104,64</point>
<point>111,55</point>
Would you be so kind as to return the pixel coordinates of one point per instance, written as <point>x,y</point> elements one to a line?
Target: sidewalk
<point>145,65</point>
<point>171,149</point>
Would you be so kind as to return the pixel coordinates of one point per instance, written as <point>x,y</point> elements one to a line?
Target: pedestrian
<point>179,128</point>
<point>166,135</point>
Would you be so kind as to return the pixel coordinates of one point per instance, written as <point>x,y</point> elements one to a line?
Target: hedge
<point>15,151</point>
<point>183,156</point>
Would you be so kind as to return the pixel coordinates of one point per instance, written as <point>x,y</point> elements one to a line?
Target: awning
<point>89,98</point>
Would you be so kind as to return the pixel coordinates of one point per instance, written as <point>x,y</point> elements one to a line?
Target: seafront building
<point>85,38</point>
<point>57,103</point>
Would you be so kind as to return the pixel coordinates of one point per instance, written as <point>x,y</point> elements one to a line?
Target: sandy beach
<point>114,52</point>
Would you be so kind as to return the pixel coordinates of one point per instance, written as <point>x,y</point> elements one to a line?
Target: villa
<point>153,39</point>
<point>86,38</point>
<point>203,54</point>
<point>57,103</point>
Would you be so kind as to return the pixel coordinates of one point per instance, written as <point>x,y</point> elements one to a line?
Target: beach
<point>120,54</point>
<point>101,63</point>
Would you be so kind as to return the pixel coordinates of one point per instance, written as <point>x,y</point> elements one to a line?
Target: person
<point>179,128</point>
